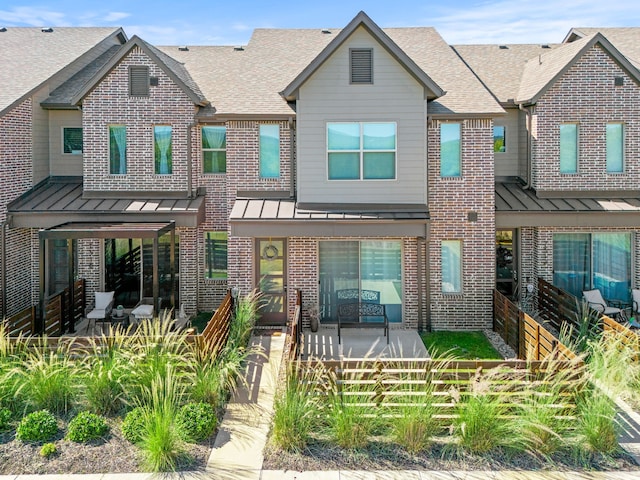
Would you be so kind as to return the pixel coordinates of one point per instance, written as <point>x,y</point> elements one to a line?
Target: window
<point>162,149</point>
<point>569,148</point>
<point>615,147</point>
<point>214,149</point>
<point>499,138</point>
<point>450,158</point>
<point>361,65</point>
<point>72,140</point>
<point>582,261</point>
<point>359,151</point>
<point>139,81</point>
<point>270,151</point>
<point>451,256</point>
<point>215,247</point>
<point>117,149</point>
<point>368,271</point>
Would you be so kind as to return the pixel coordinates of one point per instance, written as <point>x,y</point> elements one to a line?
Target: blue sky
<point>220,22</point>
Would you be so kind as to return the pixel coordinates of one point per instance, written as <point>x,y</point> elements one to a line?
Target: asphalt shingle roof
<point>29,56</point>
<point>625,39</point>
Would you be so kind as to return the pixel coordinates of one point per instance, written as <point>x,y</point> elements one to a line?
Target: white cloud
<point>527,21</point>
<point>115,16</point>
<point>32,16</point>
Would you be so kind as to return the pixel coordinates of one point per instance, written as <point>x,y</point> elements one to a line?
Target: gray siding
<point>63,164</point>
<point>40,137</point>
<point>395,96</point>
<point>523,150</point>
<point>506,163</point>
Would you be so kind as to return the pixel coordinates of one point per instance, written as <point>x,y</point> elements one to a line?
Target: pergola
<point>77,230</point>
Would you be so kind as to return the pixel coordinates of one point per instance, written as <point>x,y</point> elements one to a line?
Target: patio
<point>361,344</point>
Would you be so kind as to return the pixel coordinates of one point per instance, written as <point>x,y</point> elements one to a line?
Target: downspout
<point>189,159</point>
<point>292,161</point>
<point>529,168</point>
<point>3,270</point>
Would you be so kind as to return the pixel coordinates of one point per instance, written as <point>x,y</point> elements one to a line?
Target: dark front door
<point>271,278</point>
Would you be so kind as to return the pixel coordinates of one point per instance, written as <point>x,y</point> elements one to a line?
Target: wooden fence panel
<point>505,320</point>
<point>215,334</point>
<point>557,306</point>
<point>53,316</point>
<point>21,323</point>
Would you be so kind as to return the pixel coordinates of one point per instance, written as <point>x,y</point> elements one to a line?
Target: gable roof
<point>500,67</point>
<point>29,57</point>
<point>362,19</point>
<point>542,72</point>
<point>174,70</point>
<point>247,81</point>
<point>625,39</point>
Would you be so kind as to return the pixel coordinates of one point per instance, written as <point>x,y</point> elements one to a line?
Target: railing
<point>295,329</point>
<point>557,306</point>
<point>63,310</point>
<point>524,334</point>
<point>21,323</point>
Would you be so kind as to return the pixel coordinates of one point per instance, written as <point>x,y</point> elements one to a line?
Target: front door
<point>271,272</point>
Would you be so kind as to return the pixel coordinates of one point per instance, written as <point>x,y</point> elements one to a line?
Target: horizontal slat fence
<point>53,316</point>
<point>21,323</point>
<point>557,306</point>
<point>215,334</point>
<point>506,321</point>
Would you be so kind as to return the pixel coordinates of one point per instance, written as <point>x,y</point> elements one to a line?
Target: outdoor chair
<point>143,310</point>
<point>102,309</point>
<point>635,297</point>
<point>596,301</point>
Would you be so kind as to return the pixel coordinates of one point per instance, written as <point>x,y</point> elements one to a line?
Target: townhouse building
<point>381,164</point>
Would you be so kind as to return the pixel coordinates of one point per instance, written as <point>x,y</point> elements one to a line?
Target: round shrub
<point>133,425</point>
<point>38,426</point>
<point>87,426</point>
<point>5,419</point>
<point>48,450</point>
<point>196,421</point>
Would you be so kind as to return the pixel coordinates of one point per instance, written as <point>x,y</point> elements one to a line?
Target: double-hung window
<point>569,148</point>
<point>451,263</point>
<point>162,149</point>
<point>450,150</point>
<point>214,149</point>
<point>615,148</point>
<point>270,151</point>
<point>117,149</point>
<point>72,140</point>
<point>215,246</point>
<point>361,151</point>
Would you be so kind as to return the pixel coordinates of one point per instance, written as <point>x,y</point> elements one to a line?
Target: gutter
<point>529,167</point>
<point>3,270</point>
<point>292,160</point>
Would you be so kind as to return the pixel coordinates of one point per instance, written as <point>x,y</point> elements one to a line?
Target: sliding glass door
<point>582,261</point>
<point>364,271</point>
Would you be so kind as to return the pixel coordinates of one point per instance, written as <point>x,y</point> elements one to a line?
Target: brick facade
<point>586,94</point>
<point>451,203</point>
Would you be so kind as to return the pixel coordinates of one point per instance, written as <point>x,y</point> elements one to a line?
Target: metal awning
<point>277,217</point>
<point>517,207</point>
<point>107,230</point>
<point>59,200</point>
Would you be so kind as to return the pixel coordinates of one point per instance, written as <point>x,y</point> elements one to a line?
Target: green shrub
<point>48,450</point>
<point>5,419</point>
<point>87,426</point>
<point>38,426</point>
<point>597,423</point>
<point>133,425</point>
<point>196,421</point>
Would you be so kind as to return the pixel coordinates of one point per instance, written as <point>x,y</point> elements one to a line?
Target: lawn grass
<point>459,345</point>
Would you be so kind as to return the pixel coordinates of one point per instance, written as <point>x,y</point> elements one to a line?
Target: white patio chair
<point>102,309</point>
<point>596,301</point>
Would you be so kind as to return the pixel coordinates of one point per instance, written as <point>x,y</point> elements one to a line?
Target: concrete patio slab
<point>369,343</point>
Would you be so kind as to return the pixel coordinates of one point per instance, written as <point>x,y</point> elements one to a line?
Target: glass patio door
<point>272,273</point>
<point>123,269</point>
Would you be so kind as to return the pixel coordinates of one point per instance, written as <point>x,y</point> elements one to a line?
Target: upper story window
<point>117,149</point>
<point>361,65</point>
<point>270,151</point>
<point>214,149</point>
<point>450,150</point>
<point>162,148</point>
<point>139,81</point>
<point>569,148</point>
<point>499,138</point>
<point>361,151</point>
<point>72,140</point>
<point>615,148</point>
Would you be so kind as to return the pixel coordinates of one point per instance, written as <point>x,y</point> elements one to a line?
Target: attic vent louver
<point>239,48</point>
<point>545,46</point>
<point>326,31</point>
<point>3,29</point>
<point>503,47</point>
<point>47,30</point>
<point>183,48</point>
<point>618,81</point>
<point>138,81</point>
<point>361,65</point>
<point>153,81</point>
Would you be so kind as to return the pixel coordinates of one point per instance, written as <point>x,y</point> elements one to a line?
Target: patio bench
<point>350,315</point>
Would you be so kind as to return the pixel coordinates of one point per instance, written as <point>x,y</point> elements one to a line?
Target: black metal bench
<point>350,315</point>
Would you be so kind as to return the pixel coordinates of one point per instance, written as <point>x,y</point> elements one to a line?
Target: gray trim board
<point>327,228</point>
<point>567,219</point>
